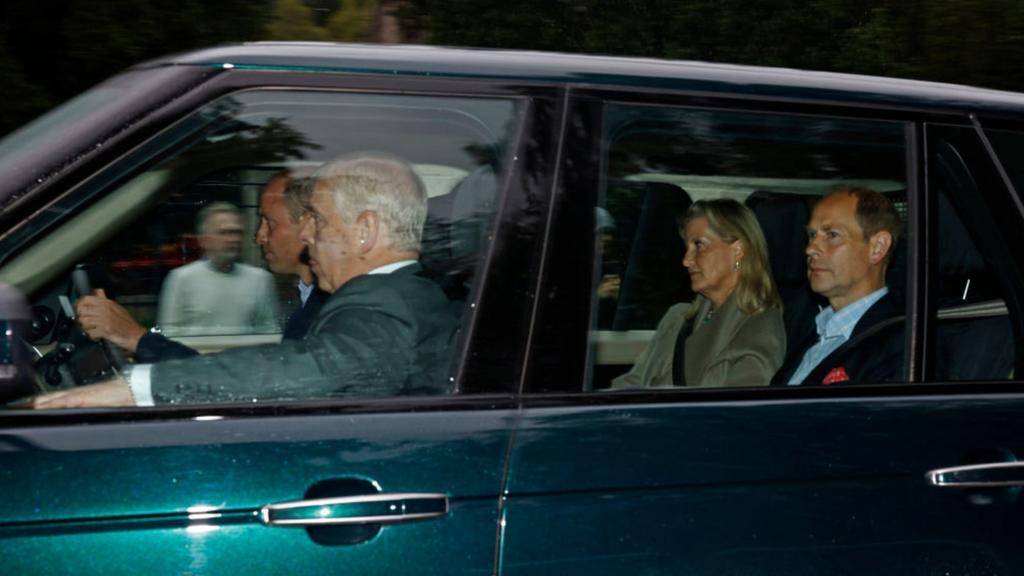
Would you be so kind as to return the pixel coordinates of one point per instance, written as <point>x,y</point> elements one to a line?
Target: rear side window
<point>661,161</point>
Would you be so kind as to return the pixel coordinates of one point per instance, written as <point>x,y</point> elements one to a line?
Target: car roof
<point>601,71</point>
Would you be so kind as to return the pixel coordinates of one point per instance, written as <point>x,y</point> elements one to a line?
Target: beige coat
<point>731,349</point>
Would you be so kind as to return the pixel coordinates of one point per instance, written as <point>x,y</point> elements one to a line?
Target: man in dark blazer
<point>859,338</point>
<point>281,208</point>
<point>385,330</point>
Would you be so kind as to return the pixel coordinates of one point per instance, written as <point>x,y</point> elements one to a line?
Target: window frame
<point>998,207</point>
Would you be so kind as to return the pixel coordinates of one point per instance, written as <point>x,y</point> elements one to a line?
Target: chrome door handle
<point>998,475</point>
<point>349,510</point>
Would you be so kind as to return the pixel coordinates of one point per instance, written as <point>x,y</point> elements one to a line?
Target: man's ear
<point>367,228</point>
<point>879,246</point>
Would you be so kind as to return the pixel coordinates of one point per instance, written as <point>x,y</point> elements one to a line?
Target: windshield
<point>30,153</point>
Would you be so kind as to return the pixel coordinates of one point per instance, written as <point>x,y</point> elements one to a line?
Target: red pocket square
<point>836,375</point>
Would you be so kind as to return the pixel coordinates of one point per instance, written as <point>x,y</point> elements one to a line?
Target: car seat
<point>653,276</point>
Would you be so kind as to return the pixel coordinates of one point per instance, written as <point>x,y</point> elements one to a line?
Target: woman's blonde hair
<point>732,221</point>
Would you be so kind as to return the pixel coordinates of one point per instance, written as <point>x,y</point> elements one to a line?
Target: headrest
<point>783,219</point>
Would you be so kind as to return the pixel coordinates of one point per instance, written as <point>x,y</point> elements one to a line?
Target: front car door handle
<point>350,510</point>
<point>997,475</point>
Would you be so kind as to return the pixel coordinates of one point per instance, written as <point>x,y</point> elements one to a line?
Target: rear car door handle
<point>997,475</point>
<point>351,510</point>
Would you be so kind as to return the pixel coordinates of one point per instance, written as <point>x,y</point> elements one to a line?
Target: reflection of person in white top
<point>218,295</point>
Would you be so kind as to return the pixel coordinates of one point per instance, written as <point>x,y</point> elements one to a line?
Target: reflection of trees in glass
<point>233,142</point>
<point>677,141</point>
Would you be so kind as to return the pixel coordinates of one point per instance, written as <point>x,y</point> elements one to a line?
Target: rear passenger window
<point>659,162</point>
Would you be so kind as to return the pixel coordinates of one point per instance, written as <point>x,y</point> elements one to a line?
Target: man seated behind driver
<point>385,330</point>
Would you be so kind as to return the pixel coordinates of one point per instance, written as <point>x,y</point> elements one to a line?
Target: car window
<point>660,163</point>
<point>170,232</point>
<point>974,336</point>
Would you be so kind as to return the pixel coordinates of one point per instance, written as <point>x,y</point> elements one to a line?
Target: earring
<point>736,265</point>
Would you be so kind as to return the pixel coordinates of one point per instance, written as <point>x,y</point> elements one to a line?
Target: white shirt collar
<point>389,268</point>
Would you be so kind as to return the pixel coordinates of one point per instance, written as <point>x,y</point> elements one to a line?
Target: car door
<point>774,480</point>
<point>323,485</point>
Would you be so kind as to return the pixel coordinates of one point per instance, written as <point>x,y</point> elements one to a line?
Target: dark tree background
<point>52,49</point>
<point>979,42</point>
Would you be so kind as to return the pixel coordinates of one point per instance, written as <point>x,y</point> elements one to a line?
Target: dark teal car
<point>546,175</point>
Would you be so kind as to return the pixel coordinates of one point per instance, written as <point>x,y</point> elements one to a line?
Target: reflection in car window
<point>974,337</point>
<point>664,163</point>
<point>215,280</point>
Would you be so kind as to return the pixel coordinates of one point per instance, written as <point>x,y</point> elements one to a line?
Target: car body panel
<point>194,488</point>
<point>599,70</point>
<point>771,487</point>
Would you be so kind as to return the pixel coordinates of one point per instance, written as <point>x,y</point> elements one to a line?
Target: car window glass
<point>201,279</point>
<point>974,338</point>
<point>659,162</point>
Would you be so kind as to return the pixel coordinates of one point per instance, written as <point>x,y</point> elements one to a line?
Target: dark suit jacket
<point>300,320</point>
<point>378,335</point>
<point>155,347</point>
<point>873,354</point>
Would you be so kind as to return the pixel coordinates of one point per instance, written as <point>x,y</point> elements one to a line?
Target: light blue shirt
<point>834,329</point>
<point>305,290</point>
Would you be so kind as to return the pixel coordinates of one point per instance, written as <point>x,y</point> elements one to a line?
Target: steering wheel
<point>77,360</point>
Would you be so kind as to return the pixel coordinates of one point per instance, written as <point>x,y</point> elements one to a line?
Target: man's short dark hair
<point>297,189</point>
<point>296,197</point>
<point>875,213</point>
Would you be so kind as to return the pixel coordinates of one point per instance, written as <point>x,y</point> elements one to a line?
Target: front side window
<point>233,230</point>
<point>705,226</point>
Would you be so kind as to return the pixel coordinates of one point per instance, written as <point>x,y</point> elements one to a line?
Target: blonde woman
<point>732,334</point>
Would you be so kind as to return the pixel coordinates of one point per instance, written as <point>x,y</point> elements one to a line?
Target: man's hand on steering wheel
<point>102,318</point>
